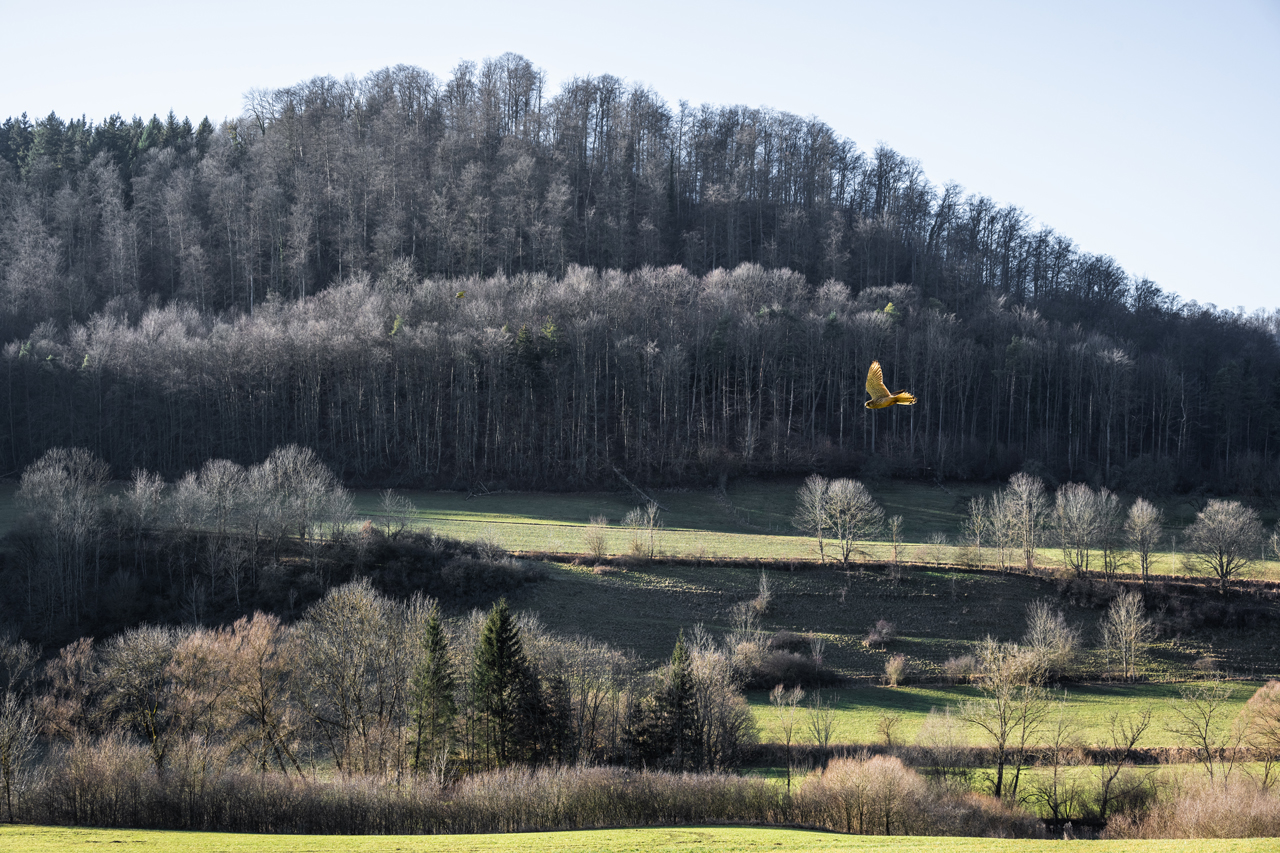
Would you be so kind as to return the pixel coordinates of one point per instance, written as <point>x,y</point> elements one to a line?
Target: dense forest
<point>463,281</point>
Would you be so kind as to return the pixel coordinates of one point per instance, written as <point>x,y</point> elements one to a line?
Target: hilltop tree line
<point>486,172</point>
<point>456,281</point>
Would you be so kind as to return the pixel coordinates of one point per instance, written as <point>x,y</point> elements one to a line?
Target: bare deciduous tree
<point>785,703</point>
<point>811,510</point>
<point>18,732</point>
<point>262,692</point>
<point>1059,792</point>
<point>1028,507</point>
<point>596,539</point>
<point>937,548</point>
<point>1126,631</point>
<point>977,524</point>
<point>62,495</point>
<point>1003,524</point>
<point>397,513</point>
<point>1117,780</point>
<point>644,522</point>
<point>1076,524</point>
<point>1143,528</point>
<point>853,516</point>
<point>1199,719</point>
<point>1051,645</point>
<point>1110,531</point>
<point>946,749</point>
<point>357,648</point>
<point>137,686</point>
<point>1224,540</point>
<point>1010,712</point>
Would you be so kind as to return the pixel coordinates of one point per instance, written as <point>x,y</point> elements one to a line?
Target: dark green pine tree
<point>665,729</point>
<point>678,710</point>
<point>499,688</point>
<point>433,709</point>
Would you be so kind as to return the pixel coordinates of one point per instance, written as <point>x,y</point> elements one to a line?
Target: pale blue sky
<point>1147,131</point>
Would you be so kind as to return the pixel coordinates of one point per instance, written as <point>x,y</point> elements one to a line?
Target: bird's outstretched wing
<point>875,382</point>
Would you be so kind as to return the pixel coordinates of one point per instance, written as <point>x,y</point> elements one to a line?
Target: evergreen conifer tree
<point>434,709</point>
<point>499,686</point>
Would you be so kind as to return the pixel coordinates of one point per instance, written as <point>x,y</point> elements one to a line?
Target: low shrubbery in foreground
<point>114,783</point>
<point>1239,808</point>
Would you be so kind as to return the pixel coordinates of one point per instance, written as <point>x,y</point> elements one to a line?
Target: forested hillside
<point>445,282</point>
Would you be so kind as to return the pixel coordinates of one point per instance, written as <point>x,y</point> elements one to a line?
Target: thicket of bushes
<point>1239,808</point>
<point>112,782</point>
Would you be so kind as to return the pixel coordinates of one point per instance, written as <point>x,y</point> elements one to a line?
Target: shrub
<point>882,796</point>
<point>468,579</point>
<point>895,669</point>
<point>488,546</point>
<point>883,633</point>
<point>765,596</point>
<point>1206,666</point>
<point>873,796</point>
<point>789,668</point>
<point>1238,809</point>
<point>788,641</point>
<point>960,669</point>
<point>595,539</point>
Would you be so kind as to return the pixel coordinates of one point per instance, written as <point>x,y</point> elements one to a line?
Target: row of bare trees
<point>1089,527</point>
<point>485,172</point>
<point>223,519</point>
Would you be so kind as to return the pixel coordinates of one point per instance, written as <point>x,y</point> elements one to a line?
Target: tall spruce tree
<point>499,688</point>
<point>677,709</point>
<point>434,708</point>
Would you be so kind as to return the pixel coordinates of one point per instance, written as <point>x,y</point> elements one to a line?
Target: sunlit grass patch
<point>729,839</point>
<point>858,710</point>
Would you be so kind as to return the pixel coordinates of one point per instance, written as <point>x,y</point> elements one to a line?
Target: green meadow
<point>858,710</point>
<point>728,839</point>
<point>752,518</point>
<point>938,608</point>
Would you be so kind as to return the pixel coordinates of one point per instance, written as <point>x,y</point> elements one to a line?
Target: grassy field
<point>858,710</point>
<point>938,612</point>
<point>752,518</point>
<point>28,839</point>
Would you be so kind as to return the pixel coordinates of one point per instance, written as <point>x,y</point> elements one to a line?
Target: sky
<point>1147,131</point>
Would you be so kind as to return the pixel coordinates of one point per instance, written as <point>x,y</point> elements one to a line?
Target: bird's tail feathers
<point>902,398</point>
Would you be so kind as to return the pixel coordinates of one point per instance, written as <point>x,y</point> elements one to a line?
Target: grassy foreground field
<point>28,839</point>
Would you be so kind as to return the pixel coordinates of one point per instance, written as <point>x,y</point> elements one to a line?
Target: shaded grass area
<point>937,614</point>
<point>859,709</point>
<point>28,839</point>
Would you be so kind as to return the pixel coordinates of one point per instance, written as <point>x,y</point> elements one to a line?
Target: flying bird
<point>880,396</point>
<point>461,293</point>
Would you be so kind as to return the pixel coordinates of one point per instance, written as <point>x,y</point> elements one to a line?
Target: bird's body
<point>880,396</point>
